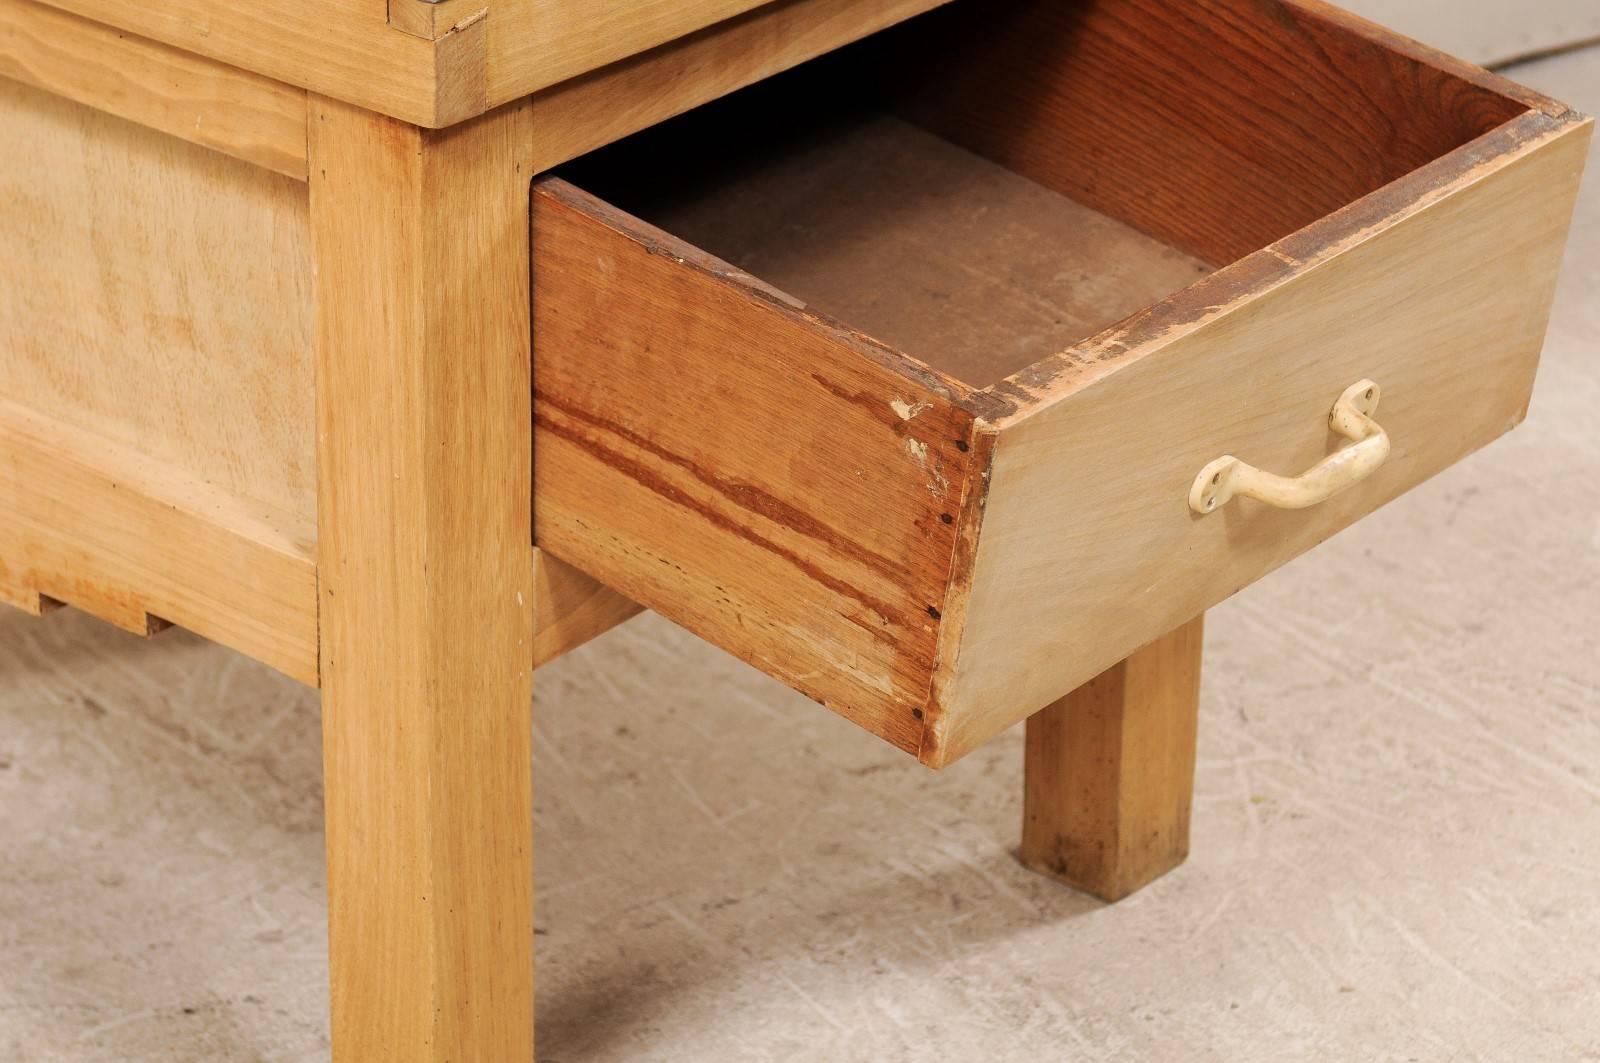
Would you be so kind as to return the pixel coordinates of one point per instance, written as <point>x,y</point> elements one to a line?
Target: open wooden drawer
<point>1018,272</point>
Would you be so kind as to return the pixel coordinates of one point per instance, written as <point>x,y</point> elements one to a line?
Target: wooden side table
<point>1045,294</point>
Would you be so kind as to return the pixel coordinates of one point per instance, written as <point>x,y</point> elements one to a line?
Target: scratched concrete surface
<point>1396,835</point>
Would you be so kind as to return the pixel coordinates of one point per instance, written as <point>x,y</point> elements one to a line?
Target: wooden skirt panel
<point>158,294</point>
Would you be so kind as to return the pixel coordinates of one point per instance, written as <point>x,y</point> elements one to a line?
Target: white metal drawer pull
<point>1351,417</point>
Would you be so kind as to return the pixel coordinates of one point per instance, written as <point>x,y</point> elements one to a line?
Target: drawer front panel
<point>1088,546</point>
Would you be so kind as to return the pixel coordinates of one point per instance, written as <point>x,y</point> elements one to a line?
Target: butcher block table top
<point>435,64</point>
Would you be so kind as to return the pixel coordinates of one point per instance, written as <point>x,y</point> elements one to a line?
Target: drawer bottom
<point>971,268</point>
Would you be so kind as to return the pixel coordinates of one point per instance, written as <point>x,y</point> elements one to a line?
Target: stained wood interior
<point>920,244</point>
<point>994,182</point>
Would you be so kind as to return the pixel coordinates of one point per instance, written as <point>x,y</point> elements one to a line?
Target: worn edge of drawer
<point>970,704</point>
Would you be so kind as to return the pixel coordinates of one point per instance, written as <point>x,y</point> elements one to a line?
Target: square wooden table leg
<point>1109,771</point>
<point>424,426</point>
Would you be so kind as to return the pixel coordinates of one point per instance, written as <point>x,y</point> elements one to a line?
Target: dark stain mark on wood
<point>642,474</point>
<point>746,496</point>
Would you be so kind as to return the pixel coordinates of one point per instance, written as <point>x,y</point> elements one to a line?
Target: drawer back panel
<point>1218,126</point>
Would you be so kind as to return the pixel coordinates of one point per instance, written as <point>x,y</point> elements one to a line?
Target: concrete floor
<point>1396,834</point>
<point>1490,32</point>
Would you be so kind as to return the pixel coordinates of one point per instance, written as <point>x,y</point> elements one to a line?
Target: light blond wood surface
<point>438,67</point>
<point>200,100</point>
<point>15,592</point>
<point>159,295</point>
<point>431,21</point>
<point>156,375</point>
<point>425,583</point>
<point>339,47</point>
<point>584,113</point>
<point>110,531</point>
<point>124,539</point>
<point>570,608</point>
<point>533,44</point>
<point>1441,290</point>
<point>1304,108</point>
<point>209,102</point>
<point>156,314</point>
<point>1109,771</point>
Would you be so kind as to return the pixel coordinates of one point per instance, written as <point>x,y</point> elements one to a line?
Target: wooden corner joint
<point>433,19</point>
<point>458,31</point>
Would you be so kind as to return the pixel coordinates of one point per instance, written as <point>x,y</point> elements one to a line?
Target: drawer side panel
<point>776,484</point>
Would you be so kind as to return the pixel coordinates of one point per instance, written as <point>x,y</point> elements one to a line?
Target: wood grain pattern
<point>760,475</point>
<point>436,68</point>
<point>425,583</point>
<point>1299,110</point>
<point>962,264</point>
<point>156,297</point>
<point>124,539</point>
<point>157,294</point>
<point>534,44</point>
<point>570,608</point>
<point>344,48</point>
<point>584,113</point>
<point>109,531</point>
<point>1108,771</point>
<point>1439,290</point>
<point>232,111</point>
<point>15,592</point>
<point>432,20</point>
